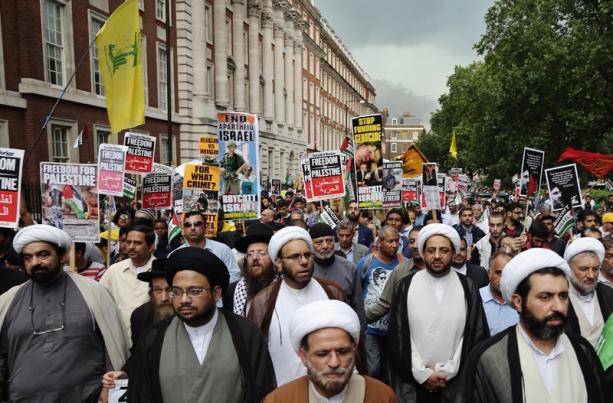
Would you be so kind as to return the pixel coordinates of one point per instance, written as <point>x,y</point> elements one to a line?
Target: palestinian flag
<point>76,203</point>
<point>174,226</point>
<point>565,222</point>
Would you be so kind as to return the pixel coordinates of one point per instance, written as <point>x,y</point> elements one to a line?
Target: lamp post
<point>361,101</point>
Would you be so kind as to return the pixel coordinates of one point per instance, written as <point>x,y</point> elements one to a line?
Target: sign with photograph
<point>531,171</point>
<point>368,160</point>
<point>564,188</point>
<point>392,184</point>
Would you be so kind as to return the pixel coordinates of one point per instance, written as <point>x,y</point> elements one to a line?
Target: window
<point>164,143</point>
<point>59,143</point>
<point>162,79</point>
<point>228,36</point>
<point>102,136</point>
<point>246,46</point>
<point>97,85</point>
<point>415,135</point>
<point>394,147</point>
<point>160,10</point>
<point>394,135</point>
<point>210,81</point>
<point>231,88</point>
<point>4,134</point>
<point>54,42</point>
<point>208,22</point>
<point>394,121</point>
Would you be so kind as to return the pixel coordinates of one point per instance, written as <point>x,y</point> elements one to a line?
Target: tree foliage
<point>546,81</point>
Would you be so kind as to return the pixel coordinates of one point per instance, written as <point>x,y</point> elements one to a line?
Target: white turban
<point>586,244</point>
<point>285,235</point>
<point>321,315</point>
<point>41,233</point>
<point>526,263</point>
<point>438,229</point>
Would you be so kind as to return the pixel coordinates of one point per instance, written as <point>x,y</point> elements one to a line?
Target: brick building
<point>400,133</point>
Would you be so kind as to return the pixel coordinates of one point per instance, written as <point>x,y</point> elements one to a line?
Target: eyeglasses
<point>32,309</point>
<point>187,224</point>
<point>258,253</point>
<point>194,292</point>
<point>297,256</point>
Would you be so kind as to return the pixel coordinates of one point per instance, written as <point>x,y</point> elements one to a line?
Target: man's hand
<point>108,379</point>
<point>436,382</point>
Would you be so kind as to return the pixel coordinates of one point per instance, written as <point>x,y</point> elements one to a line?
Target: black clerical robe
<point>258,377</point>
<point>493,371</point>
<point>604,295</point>
<point>475,330</point>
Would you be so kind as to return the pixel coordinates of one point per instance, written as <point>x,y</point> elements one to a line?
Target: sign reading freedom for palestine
<point>141,151</point>
<point>11,162</point>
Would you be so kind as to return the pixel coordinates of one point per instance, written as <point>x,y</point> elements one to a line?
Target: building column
<point>289,68</point>
<point>298,27</point>
<point>253,11</point>
<point>279,35</point>
<point>199,95</point>
<point>240,104</point>
<point>222,97</point>
<point>267,27</point>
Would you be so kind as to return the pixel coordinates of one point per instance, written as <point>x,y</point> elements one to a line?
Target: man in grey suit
<point>352,250</point>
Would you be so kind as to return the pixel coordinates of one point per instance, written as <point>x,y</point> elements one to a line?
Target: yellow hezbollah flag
<point>121,66</point>
<point>453,149</point>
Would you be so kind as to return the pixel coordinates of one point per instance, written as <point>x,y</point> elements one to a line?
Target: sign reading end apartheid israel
<point>11,161</point>
<point>368,160</point>
<point>563,185</point>
<point>70,199</point>
<point>239,165</point>
<point>326,171</point>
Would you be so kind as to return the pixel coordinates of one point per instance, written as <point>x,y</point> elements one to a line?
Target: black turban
<point>199,260</point>
<point>320,230</point>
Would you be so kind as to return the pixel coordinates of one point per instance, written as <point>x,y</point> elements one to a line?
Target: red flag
<point>598,164</point>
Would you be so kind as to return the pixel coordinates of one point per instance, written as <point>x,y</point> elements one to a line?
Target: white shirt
<point>348,252</point>
<point>334,399</point>
<point>201,337</point>
<point>586,303</point>
<point>547,363</point>
<point>461,270</point>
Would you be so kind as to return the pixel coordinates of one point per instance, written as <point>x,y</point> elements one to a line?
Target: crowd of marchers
<point>481,302</point>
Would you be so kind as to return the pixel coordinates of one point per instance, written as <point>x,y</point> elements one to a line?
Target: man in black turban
<point>204,352</point>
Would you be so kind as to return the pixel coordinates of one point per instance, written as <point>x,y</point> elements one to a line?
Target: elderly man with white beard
<point>591,301</point>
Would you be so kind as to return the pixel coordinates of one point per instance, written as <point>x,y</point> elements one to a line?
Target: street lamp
<point>361,101</point>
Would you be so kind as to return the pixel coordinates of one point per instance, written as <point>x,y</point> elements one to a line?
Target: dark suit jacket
<point>477,274</point>
<point>364,235</point>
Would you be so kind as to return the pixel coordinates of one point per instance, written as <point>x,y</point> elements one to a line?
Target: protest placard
<point>305,166</point>
<point>563,185</point>
<point>430,192</point>
<point>275,186</point>
<point>209,147</point>
<point>157,191</point>
<point>496,184</point>
<point>129,187</point>
<point>239,165</point>
<point>140,154</point>
<point>368,160</point>
<point>119,393</point>
<point>392,184</point>
<point>70,199</point>
<point>201,193</point>
<point>410,190</point>
<point>111,160</point>
<point>329,217</point>
<point>441,180</point>
<point>11,161</point>
<point>531,171</point>
<point>326,175</point>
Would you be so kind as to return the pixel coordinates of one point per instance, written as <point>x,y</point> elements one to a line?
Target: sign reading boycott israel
<point>239,165</point>
<point>368,160</point>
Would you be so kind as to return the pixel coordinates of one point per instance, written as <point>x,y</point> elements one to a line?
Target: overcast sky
<point>408,47</point>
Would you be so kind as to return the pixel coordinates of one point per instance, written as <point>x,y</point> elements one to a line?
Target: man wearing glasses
<point>273,308</point>
<point>60,331</point>
<point>194,226</point>
<point>203,353</point>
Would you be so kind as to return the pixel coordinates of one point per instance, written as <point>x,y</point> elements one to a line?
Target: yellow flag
<point>453,149</point>
<point>121,66</point>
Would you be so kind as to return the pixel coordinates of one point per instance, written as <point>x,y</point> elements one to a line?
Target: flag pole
<point>57,101</point>
<point>168,82</point>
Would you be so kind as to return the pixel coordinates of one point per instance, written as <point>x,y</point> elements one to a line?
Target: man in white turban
<point>535,361</point>
<point>437,317</point>
<point>325,335</point>
<point>273,308</point>
<point>591,302</point>
<point>60,331</point>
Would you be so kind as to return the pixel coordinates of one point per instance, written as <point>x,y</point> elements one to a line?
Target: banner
<point>392,184</point>
<point>531,171</point>
<point>141,152</point>
<point>239,165</point>
<point>111,160</point>
<point>563,185</point>
<point>429,186</point>
<point>70,199</point>
<point>11,168</point>
<point>157,191</point>
<point>327,179</point>
<point>129,187</point>
<point>305,167</point>
<point>209,147</point>
<point>201,193</point>
<point>368,160</point>
<point>275,186</point>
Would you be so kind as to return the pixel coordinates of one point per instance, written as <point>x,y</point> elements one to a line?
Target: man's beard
<point>607,269</point>
<point>43,274</point>
<point>257,284</point>
<point>323,255</point>
<point>582,288</point>
<point>336,385</point>
<point>162,312</point>
<point>540,328</point>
